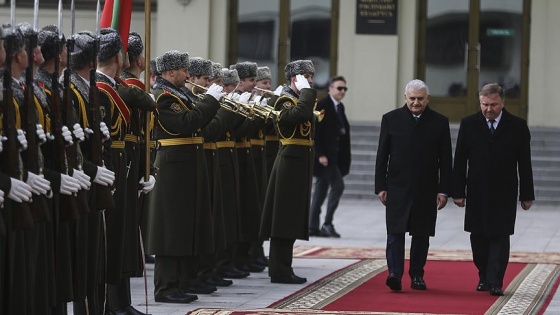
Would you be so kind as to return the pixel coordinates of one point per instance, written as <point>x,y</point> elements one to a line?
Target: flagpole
<point>147,46</point>
<point>147,120</point>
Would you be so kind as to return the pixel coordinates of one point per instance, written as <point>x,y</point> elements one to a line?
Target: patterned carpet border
<point>320,252</point>
<point>273,311</point>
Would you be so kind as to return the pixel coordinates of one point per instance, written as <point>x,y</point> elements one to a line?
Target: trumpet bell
<point>319,115</point>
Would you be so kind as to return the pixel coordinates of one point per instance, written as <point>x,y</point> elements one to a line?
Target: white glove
<point>41,136</point>
<point>152,96</point>
<point>278,90</point>
<point>149,185</point>
<point>83,179</point>
<point>68,185</point>
<point>20,191</point>
<point>39,185</point>
<point>78,132</point>
<point>104,131</point>
<point>22,140</point>
<point>234,96</point>
<point>216,91</point>
<point>88,132</point>
<point>2,139</point>
<point>301,82</point>
<point>244,98</point>
<point>104,176</point>
<point>67,135</point>
<point>1,196</point>
<point>264,102</point>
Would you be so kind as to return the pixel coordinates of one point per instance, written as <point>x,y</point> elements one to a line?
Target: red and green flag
<point>117,15</point>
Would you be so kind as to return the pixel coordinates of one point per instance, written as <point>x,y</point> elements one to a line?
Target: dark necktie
<point>340,118</point>
<point>492,128</point>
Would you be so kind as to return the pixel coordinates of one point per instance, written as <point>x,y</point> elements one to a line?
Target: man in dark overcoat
<point>332,158</point>
<point>286,207</point>
<point>492,167</point>
<point>412,179</point>
<point>180,222</point>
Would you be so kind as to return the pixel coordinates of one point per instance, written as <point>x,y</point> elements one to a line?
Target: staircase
<point>545,147</point>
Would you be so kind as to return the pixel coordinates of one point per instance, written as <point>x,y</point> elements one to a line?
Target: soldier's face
<point>264,84</point>
<point>247,84</point>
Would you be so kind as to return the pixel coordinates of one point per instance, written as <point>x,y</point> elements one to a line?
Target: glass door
<point>464,44</point>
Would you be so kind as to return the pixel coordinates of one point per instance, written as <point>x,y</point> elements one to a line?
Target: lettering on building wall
<point>376,17</point>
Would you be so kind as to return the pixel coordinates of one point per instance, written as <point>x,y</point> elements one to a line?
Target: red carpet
<point>450,291</point>
<point>360,289</point>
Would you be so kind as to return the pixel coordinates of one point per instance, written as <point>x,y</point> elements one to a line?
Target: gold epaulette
<point>304,142</point>
<point>180,141</point>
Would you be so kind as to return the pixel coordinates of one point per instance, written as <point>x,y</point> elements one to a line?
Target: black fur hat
<point>230,76</point>
<point>16,38</point>
<point>135,46</point>
<point>84,44</point>
<point>245,69</point>
<point>216,71</point>
<point>27,31</point>
<point>263,73</point>
<point>172,60</point>
<point>110,44</point>
<point>200,67</point>
<point>153,67</point>
<point>48,40</point>
<point>299,67</point>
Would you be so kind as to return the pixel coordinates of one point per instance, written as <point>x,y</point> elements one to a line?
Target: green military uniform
<point>180,223</point>
<point>286,208</point>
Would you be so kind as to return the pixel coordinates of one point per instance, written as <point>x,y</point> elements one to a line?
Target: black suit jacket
<point>490,171</point>
<point>329,141</point>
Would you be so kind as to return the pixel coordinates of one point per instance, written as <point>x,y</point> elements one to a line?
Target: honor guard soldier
<point>177,236</point>
<point>200,71</point>
<point>82,61</point>
<point>286,208</point>
<point>250,201</point>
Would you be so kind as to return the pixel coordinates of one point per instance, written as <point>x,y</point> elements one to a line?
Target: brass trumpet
<point>227,103</point>
<point>318,114</point>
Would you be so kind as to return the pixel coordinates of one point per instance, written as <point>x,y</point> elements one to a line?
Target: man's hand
<point>244,98</point>
<point>104,131</point>
<point>323,160</point>
<point>78,132</point>
<point>22,140</point>
<point>68,185</point>
<point>39,185</point>
<point>383,197</point>
<point>460,202</point>
<point>83,179</point>
<point>301,82</point>
<point>41,136</point>
<point>441,201</point>
<point>526,204</point>
<point>147,186</point>
<point>104,176</point>
<point>19,191</point>
<point>216,91</point>
<point>67,136</point>
<point>278,90</point>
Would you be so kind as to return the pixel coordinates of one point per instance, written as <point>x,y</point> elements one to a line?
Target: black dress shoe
<point>200,288</point>
<point>177,297</point>
<point>218,281</point>
<point>329,231</point>
<point>293,279</point>
<point>418,283</point>
<point>394,282</point>
<point>251,268</point>
<point>482,286</point>
<point>234,273</point>
<point>496,290</point>
<point>315,232</point>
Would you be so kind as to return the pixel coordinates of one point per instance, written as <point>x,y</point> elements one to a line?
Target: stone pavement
<point>361,224</point>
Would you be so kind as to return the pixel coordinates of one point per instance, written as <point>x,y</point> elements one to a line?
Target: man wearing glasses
<point>332,158</point>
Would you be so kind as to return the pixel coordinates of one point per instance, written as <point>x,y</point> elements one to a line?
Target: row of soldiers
<point>74,192</point>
